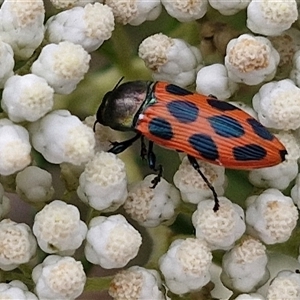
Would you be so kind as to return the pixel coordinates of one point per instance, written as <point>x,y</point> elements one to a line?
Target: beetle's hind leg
<point>196,166</point>
<point>152,165</point>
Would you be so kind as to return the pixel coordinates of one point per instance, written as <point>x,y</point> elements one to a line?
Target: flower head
<point>62,137</point>
<point>88,26</point>
<point>17,290</point>
<point>134,12</point>
<point>58,228</point>
<point>244,267</point>
<point>251,59</point>
<point>286,285</point>
<point>148,206</point>
<point>27,98</point>
<point>59,278</point>
<point>14,147</point>
<point>214,80</point>
<point>186,265</point>
<point>34,184</point>
<point>229,7</point>
<point>269,17</point>
<point>103,183</point>
<point>136,283</point>
<point>271,216</point>
<point>192,187</point>
<point>222,228</point>
<point>63,66</point>
<point>185,10</point>
<point>278,105</point>
<point>21,26</point>
<point>171,60</point>
<point>111,242</point>
<point>17,244</point>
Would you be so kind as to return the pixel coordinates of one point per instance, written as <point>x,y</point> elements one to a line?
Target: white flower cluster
<point>170,59</point>
<point>150,207</point>
<point>59,277</point>
<point>103,183</point>
<point>21,26</point>
<point>61,62</point>
<point>58,228</point>
<point>271,216</point>
<point>134,12</point>
<point>34,184</point>
<point>100,217</point>
<point>38,61</point>
<point>111,242</point>
<point>16,290</point>
<point>192,187</point>
<point>229,7</point>
<point>247,259</point>
<point>136,283</point>
<point>17,243</point>
<point>186,265</point>
<point>228,223</point>
<point>62,137</point>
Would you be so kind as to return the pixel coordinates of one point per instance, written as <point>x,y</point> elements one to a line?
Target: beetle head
<point>119,106</point>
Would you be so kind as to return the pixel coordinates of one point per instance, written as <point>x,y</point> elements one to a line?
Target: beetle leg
<point>118,147</point>
<point>152,165</point>
<point>143,148</point>
<point>196,166</point>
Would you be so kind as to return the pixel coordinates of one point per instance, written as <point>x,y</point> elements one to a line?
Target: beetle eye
<point>99,118</point>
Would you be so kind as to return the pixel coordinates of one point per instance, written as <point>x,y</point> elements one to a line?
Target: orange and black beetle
<point>201,126</point>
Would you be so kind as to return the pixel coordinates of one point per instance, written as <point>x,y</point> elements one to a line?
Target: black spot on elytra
<point>177,90</point>
<point>205,145</point>
<point>260,130</point>
<point>249,152</point>
<point>160,128</point>
<point>184,111</point>
<point>221,105</point>
<point>226,126</point>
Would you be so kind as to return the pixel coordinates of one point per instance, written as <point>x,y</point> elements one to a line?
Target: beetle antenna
<point>118,83</point>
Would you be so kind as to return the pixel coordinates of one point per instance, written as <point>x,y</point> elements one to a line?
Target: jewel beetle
<point>201,126</point>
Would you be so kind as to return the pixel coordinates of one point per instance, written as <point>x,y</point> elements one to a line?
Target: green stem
<point>91,213</point>
<point>24,275</point>
<point>25,69</point>
<point>187,31</point>
<point>161,237</point>
<point>123,51</point>
<point>97,283</point>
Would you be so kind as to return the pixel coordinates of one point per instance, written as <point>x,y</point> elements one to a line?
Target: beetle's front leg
<point>118,147</point>
<point>196,166</point>
<point>152,165</point>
